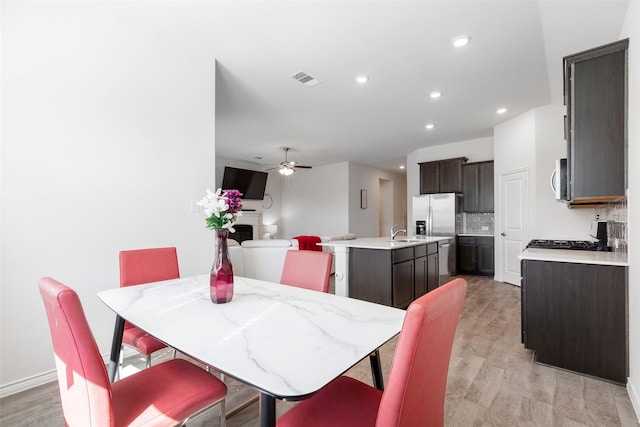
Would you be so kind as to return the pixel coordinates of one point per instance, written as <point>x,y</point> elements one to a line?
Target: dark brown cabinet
<point>477,187</point>
<point>595,95</point>
<point>443,176</point>
<point>429,178</point>
<point>393,277</point>
<point>485,256</point>
<point>476,255</point>
<point>573,316</point>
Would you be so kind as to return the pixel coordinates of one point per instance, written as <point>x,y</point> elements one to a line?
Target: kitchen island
<point>386,271</point>
<point>574,310</point>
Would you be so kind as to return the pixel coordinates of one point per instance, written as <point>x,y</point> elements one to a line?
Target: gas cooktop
<point>583,245</point>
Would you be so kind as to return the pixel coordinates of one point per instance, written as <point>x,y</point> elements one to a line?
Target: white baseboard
<point>634,398</point>
<point>25,384</point>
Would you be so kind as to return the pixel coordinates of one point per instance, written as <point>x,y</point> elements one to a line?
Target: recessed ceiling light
<point>362,79</point>
<point>435,94</point>
<point>430,126</point>
<point>501,110</point>
<point>460,41</point>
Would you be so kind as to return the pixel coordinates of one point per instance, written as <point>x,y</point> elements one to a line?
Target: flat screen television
<point>250,183</point>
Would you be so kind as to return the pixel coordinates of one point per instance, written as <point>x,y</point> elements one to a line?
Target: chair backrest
<point>82,377</point>
<point>148,265</point>
<point>307,269</point>
<point>417,383</point>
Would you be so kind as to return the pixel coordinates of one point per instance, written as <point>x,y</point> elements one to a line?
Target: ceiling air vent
<point>305,79</point>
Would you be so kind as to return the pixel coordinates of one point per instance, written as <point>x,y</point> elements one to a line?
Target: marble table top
<point>284,341</point>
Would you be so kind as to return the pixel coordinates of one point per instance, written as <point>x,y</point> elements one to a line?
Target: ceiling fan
<point>287,167</point>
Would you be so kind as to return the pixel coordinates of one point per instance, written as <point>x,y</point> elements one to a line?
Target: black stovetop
<point>583,245</point>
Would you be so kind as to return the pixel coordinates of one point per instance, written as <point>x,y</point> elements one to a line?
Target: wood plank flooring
<point>493,380</point>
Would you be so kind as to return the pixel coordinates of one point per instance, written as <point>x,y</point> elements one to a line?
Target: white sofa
<point>264,259</point>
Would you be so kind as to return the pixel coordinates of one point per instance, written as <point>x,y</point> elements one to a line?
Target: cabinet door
<point>429,178</point>
<point>467,255</point>
<point>523,304</point>
<point>485,255</point>
<point>451,176</point>
<point>575,317</point>
<point>432,272</point>
<point>403,276</point>
<point>596,91</point>
<point>369,275</point>
<point>420,268</point>
<point>485,187</point>
<point>470,185</point>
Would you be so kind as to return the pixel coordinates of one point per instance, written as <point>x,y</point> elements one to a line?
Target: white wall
<point>631,29</point>
<point>365,222</point>
<point>553,219</point>
<point>533,141</point>
<point>514,149</point>
<point>316,202</point>
<point>476,150</point>
<point>106,138</point>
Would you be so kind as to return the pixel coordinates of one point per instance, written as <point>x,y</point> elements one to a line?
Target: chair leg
<point>223,414</point>
<point>120,364</point>
<point>148,361</point>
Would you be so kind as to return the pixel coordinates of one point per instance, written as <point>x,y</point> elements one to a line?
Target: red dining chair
<point>144,266</point>
<point>163,395</point>
<point>307,269</point>
<point>415,392</point>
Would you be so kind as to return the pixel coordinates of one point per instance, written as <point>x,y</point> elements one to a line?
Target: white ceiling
<point>514,60</point>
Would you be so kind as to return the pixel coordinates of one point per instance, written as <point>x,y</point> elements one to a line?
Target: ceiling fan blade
<point>302,167</point>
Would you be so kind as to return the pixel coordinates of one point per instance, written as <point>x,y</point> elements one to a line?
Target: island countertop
<point>574,256</point>
<point>385,243</point>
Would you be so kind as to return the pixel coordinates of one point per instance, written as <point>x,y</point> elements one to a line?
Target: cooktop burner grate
<point>583,245</point>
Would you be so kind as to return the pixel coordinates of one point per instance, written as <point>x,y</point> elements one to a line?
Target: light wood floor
<point>493,380</point>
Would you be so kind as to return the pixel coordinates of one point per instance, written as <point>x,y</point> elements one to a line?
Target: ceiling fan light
<point>286,171</point>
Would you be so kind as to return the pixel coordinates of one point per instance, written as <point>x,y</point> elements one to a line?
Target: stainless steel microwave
<point>559,180</point>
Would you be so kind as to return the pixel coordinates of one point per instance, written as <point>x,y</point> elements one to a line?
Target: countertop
<point>384,243</point>
<point>476,235</point>
<point>575,256</point>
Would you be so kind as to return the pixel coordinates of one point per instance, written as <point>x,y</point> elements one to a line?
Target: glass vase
<point>221,281</point>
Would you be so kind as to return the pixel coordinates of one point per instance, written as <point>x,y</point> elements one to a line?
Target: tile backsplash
<point>478,223</point>
<point>617,217</point>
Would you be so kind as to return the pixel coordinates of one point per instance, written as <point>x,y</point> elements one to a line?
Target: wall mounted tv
<point>250,183</point>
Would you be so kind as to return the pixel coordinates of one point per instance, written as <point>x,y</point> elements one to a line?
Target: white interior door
<point>514,235</point>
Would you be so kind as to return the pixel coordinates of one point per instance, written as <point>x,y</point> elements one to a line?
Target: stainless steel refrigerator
<point>440,215</point>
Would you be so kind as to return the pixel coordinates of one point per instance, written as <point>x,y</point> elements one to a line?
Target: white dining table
<point>284,341</point>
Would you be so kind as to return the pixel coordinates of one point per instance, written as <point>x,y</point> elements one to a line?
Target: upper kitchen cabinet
<point>595,89</point>
<point>477,187</point>
<point>442,176</point>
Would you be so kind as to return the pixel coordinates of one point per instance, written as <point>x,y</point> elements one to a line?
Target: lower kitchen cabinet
<point>476,255</point>
<point>574,316</point>
<point>393,277</point>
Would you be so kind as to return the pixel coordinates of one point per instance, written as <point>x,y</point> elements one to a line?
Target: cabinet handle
<point>503,234</point>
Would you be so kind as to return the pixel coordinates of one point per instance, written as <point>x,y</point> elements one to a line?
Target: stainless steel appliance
<point>440,215</point>
<point>559,180</point>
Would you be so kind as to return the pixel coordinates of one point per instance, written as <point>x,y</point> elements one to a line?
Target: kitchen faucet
<point>395,233</point>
